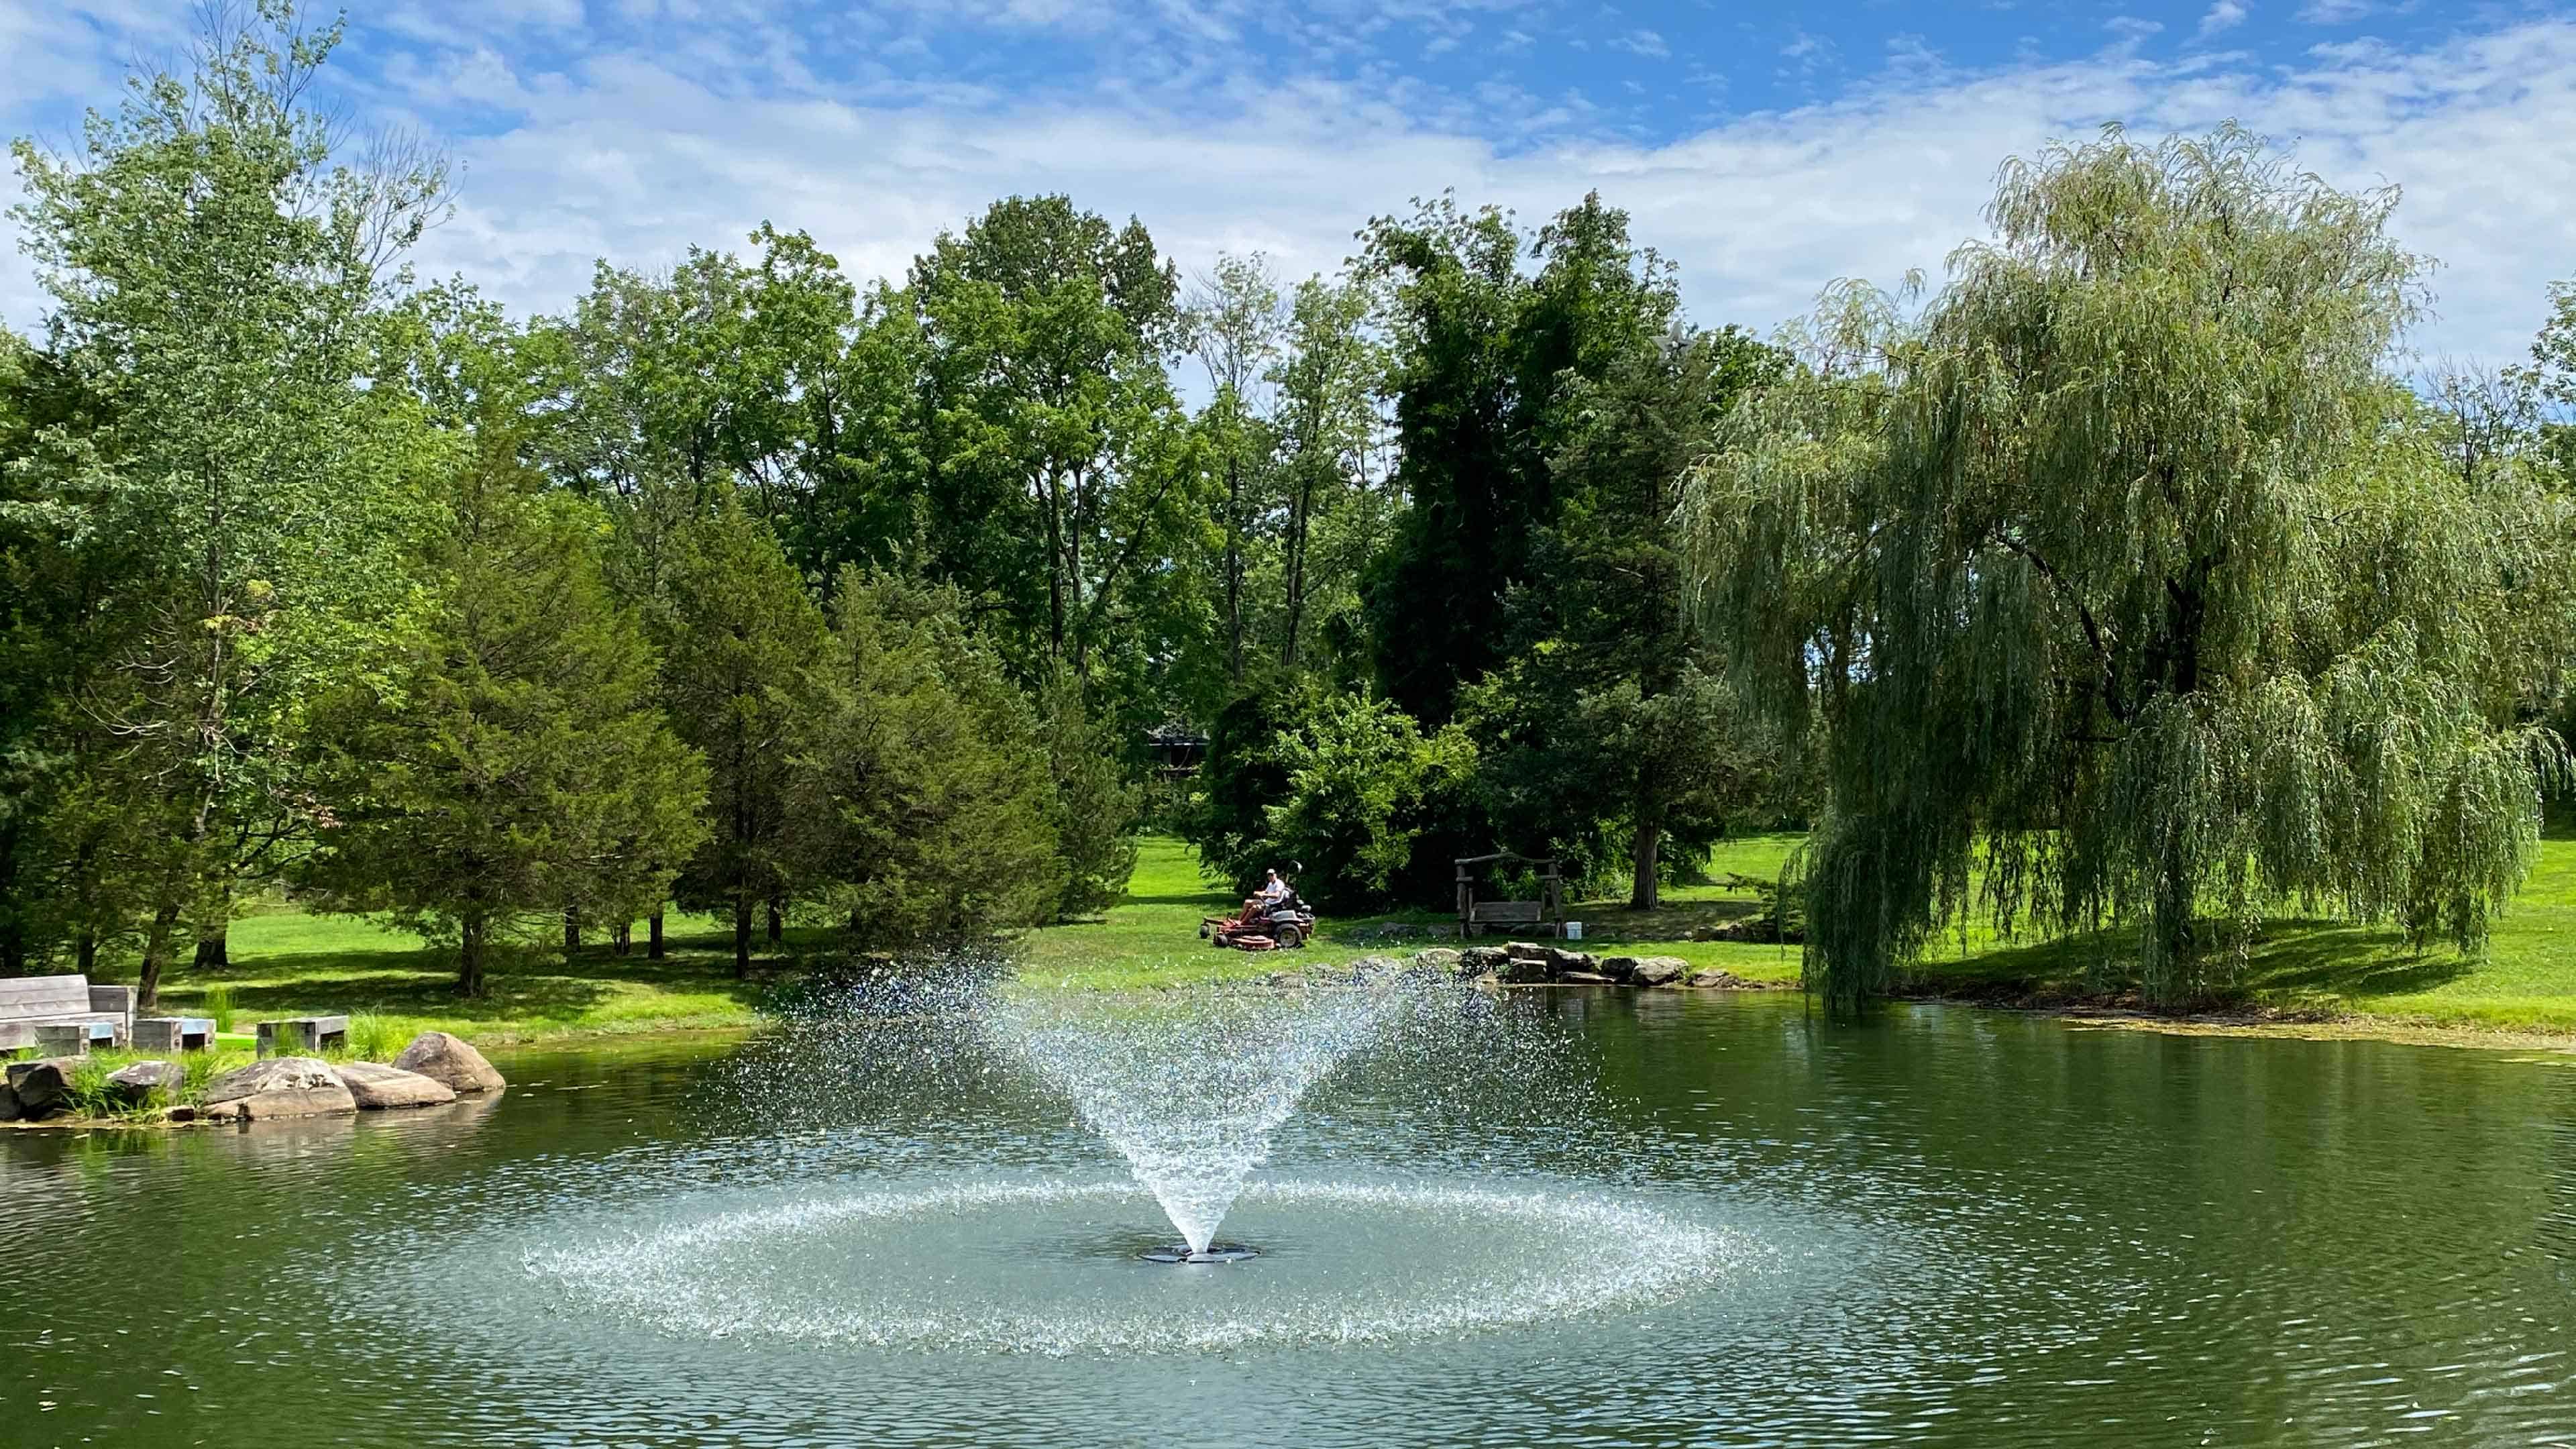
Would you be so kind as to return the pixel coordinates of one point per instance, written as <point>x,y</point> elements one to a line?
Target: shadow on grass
<point>2291,961</point>
<point>518,984</point>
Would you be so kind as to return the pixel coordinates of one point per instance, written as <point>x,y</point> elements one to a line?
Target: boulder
<point>375,1086</point>
<point>278,1087</point>
<point>1526,950</point>
<point>1622,969</point>
<point>9,1104</point>
<point>1525,970</point>
<point>436,1055</point>
<point>1561,961</point>
<point>182,1113</point>
<point>1483,961</point>
<point>1719,980</point>
<point>1584,978</point>
<point>1659,970</point>
<point>44,1086</point>
<point>133,1086</point>
<point>1440,959</point>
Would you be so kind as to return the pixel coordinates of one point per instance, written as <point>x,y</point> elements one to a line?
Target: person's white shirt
<point>1274,890</point>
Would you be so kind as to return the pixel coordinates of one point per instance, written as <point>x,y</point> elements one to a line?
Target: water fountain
<point>938,1211</point>
<point>1192,1097</point>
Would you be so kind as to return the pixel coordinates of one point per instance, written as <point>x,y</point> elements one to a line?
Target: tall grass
<point>374,1037</point>
<point>218,1003</point>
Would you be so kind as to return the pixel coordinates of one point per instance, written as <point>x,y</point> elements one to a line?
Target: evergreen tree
<point>738,637</point>
<point>921,789</point>
<point>506,761</point>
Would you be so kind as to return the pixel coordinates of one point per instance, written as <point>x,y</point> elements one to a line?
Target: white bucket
<point>1574,930</point>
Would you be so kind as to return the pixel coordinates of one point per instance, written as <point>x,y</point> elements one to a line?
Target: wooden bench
<point>28,1002</point>
<point>298,1035</point>
<point>1505,913</point>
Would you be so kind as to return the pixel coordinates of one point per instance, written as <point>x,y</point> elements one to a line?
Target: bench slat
<point>1504,911</point>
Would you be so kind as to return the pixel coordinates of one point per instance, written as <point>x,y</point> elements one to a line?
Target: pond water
<point>1693,1219</point>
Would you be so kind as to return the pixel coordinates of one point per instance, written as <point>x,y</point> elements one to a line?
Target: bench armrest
<point>116,1000</point>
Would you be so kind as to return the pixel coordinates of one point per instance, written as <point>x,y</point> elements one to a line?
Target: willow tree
<point>2124,588</point>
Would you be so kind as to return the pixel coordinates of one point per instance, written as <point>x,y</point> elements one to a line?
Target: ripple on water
<point>1051,1267</point>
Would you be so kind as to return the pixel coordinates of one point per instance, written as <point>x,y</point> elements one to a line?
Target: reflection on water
<point>1723,1222</point>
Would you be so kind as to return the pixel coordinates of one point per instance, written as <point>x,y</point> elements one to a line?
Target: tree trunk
<point>1646,852</point>
<point>742,938</point>
<point>85,953</point>
<point>624,936</point>
<point>469,959</point>
<point>653,950</point>
<point>1234,564</point>
<point>156,955</point>
<point>777,920</point>
<point>213,952</point>
<point>572,931</point>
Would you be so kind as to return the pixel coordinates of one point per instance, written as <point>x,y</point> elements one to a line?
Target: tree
<point>1325,383</point>
<point>738,636</point>
<point>922,793</point>
<point>2124,590</point>
<point>1612,718</point>
<point>1363,787</point>
<point>1482,357</point>
<point>1233,327</point>
<point>506,760</point>
<point>1061,465</point>
<point>215,274</point>
<point>1095,804</point>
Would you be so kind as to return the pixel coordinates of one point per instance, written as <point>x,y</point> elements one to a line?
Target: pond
<point>1692,1219</point>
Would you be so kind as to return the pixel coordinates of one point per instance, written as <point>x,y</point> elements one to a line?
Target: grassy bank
<point>286,963</point>
<point>2352,978</point>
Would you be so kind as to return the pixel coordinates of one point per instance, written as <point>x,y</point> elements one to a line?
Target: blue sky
<point>1768,149</point>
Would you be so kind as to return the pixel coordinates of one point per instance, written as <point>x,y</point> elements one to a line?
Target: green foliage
<point>921,786</point>
<point>504,759</point>
<point>217,278</point>
<point>1095,805</point>
<point>1483,358</point>
<point>1364,786</point>
<point>738,636</point>
<point>2125,591</point>
<point>217,1002</point>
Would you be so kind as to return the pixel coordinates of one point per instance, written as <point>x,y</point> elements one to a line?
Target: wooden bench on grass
<point>30,1002</point>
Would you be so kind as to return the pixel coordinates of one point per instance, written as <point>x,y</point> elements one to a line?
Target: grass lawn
<point>286,963</point>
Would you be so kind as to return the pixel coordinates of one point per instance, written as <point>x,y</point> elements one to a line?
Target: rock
<point>9,1104</point>
<point>133,1086</point>
<point>1524,970</point>
<point>440,1057</point>
<point>1622,969</point>
<point>1659,970</point>
<point>1719,980</point>
<point>375,1086</point>
<point>1440,959</point>
<point>182,1113</point>
<point>1375,968</point>
<point>278,1087</point>
<point>1584,978</point>
<point>1561,961</point>
<point>42,1087</point>
<point>1704,933</point>
<point>1483,961</point>
<point>1525,950</point>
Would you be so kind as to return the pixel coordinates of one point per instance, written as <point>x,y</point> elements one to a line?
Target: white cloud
<point>2225,15</point>
<point>2337,12</point>
<point>637,156</point>
<point>1643,42</point>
